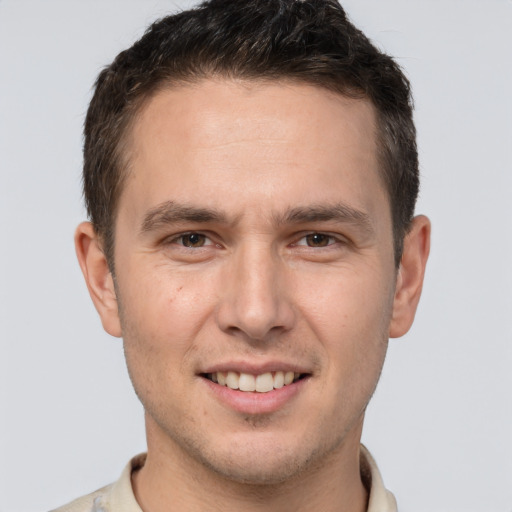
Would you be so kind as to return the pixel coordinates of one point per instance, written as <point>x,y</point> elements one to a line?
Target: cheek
<point>163,300</point>
<point>160,326</point>
<point>350,314</point>
<point>160,319</point>
<point>345,301</point>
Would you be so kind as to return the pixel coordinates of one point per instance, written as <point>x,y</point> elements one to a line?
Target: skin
<point>267,281</point>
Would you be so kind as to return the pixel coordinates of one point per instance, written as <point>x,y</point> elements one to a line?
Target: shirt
<point>119,497</point>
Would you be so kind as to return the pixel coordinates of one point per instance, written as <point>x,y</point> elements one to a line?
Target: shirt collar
<point>380,499</point>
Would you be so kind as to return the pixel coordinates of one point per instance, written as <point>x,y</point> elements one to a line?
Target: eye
<point>317,240</point>
<point>193,240</point>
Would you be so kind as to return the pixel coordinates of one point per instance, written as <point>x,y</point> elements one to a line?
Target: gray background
<point>440,424</point>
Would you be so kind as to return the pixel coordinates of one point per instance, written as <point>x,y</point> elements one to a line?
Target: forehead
<point>253,140</point>
<point>281,109</point>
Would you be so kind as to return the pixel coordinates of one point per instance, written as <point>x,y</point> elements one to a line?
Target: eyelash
<point>330,239</point>
<point>176,240</point>
<point>207,241</point>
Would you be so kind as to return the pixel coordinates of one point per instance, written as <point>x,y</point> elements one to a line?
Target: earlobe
<point>98,277</point>
<point>410,276</point>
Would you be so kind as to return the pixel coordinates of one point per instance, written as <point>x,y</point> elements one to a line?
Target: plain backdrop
<point>440,423</point>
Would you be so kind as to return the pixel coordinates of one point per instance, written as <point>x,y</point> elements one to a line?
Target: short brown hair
<point>309,41</point>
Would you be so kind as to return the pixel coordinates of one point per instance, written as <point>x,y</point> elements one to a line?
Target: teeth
<point>232,380</point>
<point>260,383</point>
<point>264,383</point>
<point>278,380</point>
<point>247,382</point>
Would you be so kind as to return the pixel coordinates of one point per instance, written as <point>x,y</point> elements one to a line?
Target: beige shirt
<point>119,497</point>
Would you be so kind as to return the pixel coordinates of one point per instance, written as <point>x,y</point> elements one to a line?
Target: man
<point>250,173</point>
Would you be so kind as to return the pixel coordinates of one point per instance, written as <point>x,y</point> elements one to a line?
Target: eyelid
<point>300,239</point>
<point>174,239</point>
<point>335,239</point>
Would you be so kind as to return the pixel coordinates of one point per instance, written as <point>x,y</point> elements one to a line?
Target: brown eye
<point>193,240</point>
<point>318,240</point>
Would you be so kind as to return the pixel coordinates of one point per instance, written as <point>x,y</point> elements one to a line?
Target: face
<point>254,250</point>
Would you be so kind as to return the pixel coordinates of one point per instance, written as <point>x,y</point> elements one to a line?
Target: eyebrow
<point>170,213</point>
<point>339,212</point>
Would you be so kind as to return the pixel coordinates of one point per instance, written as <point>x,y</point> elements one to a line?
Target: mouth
<point>262,383</point>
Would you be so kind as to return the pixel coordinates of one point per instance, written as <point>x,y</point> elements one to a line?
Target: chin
<point>265,461</point>
<point>257,471</point>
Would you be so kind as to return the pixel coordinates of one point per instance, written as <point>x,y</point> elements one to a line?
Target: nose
<point>255,302</point>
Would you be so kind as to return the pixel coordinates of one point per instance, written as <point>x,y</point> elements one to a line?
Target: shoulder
<point>97,501</point>
<point>116,497</point>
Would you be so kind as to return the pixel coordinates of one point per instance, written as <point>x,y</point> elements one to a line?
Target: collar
<point>119,496</point>
<point>380,499</point>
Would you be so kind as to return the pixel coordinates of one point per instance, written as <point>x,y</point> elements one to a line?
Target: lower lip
<point>247,402</point>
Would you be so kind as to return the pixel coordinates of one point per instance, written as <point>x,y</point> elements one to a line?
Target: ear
<point>410,276</point>
<point>97,277</point>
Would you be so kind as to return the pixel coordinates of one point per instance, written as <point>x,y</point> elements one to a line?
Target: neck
<point>171,476</point>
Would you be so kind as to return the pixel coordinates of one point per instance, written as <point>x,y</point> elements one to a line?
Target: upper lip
<point>255,368</point>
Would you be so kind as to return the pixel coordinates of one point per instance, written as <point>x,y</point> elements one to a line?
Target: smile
<point>262,383</point>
